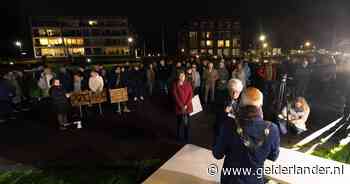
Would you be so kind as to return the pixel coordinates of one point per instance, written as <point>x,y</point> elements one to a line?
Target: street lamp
<point>262,38</point>
<point>18,44</point>
<point>265,45</point>
<point>307,44</point>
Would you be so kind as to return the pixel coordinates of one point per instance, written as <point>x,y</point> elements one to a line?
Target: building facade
<point>81,36</point>
<point>211,36</point>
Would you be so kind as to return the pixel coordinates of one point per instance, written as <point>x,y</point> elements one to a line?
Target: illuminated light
<point>197,56</point>
<point>182,50</point>
<point>265,45</point>
<point>130,39</point>
<point>18,43</point>
<point>149,54</point>
<point>262,38</point>
<point>12,63</point>
<point>88,60</point>
<point>158,54</point>
<point>307,44</point>
<point>92,22</point>
<point>215,57</point>
<point>24,53</point>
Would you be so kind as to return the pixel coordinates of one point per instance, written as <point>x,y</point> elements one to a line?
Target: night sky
<point>287,23</point>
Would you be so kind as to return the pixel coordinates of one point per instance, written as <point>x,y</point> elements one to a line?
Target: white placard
<point>197,106</point>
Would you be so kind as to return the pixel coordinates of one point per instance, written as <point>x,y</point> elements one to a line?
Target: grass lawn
<point>123,172</point>
<point>339,153</point>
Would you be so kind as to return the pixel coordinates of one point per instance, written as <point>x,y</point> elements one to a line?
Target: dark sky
<point>286,23</point>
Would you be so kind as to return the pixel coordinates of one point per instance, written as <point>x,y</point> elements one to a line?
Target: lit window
<point>202,43</point>
<point>92,22</point>
<point>76,51</point>
<point>203,51</point>
<point>208,35</point>
<point>44,41</point>
<point>227,43</point>
<point>220,52</point>
<point>220,43</point>
<point>226,52</point>
<point>235,52</point>
<point>194,51</point>
<point>210,51</point>
<point>52,52</point>
<point>209,43</point>
<point>193,35</point>
<point>73,41</point>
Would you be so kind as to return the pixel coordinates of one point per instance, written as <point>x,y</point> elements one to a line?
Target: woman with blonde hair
<point>296,115</point>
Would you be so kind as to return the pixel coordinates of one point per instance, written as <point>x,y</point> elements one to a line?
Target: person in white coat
<point>95,82</point>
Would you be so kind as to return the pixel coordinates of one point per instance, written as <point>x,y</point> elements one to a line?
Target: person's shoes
<point>126,110</point>
<point>135,99</point>
<point>142,98</point>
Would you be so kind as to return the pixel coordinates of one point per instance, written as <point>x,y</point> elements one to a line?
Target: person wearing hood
<point>247,141</point>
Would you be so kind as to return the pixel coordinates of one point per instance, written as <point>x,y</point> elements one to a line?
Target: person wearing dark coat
<point>137,79</point>
<point>227,104</point>
<point>182,93</point>
<point>117,80</point>
<point>247,141</point>
<point>302,78</point>
<point>66,79</point>
<point>163,77</point>
<point>60,102</point>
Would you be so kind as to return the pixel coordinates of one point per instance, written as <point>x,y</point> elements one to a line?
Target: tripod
<point>282,92</point>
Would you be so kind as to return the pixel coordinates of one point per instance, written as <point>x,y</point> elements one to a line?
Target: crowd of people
<point>239,92</point>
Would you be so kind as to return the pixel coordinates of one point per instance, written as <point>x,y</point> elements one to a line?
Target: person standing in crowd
<point>202,68</point>
<point>96,82</point>
<point>151,78</point>
<point>227,104</point>
<point>197,79</point>
<point>247,141</point>
<point>163,76</point>
<point>177,68</point>
<point>294,116</point>
<point>247,72</point>
<point>190,76</point>
<point>118,80</point>
<point>44,81</point>
<point>223,77</point>
<point>210,77</point>
<point>137,78</point>
<point>269,74</point>
<point>182,93</point>
<point>78,84</point>
<point>302,78</point>
<point>65,79</point>
<point>240,74</point>
<point>7,91</point>
<point>60,103</point>
<point>11,77</point>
